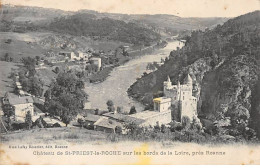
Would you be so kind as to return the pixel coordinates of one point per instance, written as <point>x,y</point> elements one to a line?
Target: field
<point>21,45</point>
<point>29,44</point>
<point>5,82</point>
<point>54,135</point>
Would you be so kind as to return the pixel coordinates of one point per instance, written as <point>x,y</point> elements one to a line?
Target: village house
<point>75,56</point>
<point>21,104</point>
<point>107,125</point>
<point>90,120</point>
<point>71,56</point>
<point>82,56</point>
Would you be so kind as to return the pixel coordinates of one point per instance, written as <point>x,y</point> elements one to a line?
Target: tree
<point>29,64</point>
<point>132,110</point>
<point>162,60</point>
<point>65,97</point>
<point>185,121</point>
<point>57,70</point>
<point>9,111</point>
<point>163,128</point>
<point>38,58</point>
<point>110,106</point>
<point>119,109</point>
<point>66,118</point>
<point>157,128</point>
<point>7,57</point>
<point>35,86</point>
<point>96,111</point>
<point>118,130</point>
<point>28,119</point>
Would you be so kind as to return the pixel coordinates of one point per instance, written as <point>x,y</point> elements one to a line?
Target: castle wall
<point>187,109</point>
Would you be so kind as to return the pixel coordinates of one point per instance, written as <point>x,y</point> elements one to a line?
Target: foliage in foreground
<point>65,97</point>
<point>175,132</point>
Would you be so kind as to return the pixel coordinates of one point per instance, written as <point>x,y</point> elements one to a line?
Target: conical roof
<point>168,80</point>
<point>188,80</point>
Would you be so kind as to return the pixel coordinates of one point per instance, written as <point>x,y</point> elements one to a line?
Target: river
<point>121,78</point>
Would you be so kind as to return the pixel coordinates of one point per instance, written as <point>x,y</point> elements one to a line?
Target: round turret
<point>188,80</point>
<point>167,84</point>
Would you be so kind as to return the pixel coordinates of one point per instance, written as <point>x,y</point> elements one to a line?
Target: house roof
<point>107,123</point>
<point>91,117</point>
<point>15,99</point>
<point>146,114</point>
<point>124,118</point>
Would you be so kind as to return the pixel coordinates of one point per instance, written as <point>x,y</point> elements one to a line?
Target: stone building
<point>107,125</point>
<point>161,113</point>
<point>21,104</point>
<point>182,101</point>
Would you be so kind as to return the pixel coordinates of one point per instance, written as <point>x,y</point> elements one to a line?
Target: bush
<point>185,121</point>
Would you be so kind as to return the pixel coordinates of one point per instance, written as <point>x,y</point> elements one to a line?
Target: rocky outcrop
<point>226,92</point>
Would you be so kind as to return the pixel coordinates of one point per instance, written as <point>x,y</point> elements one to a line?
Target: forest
<point>103,28</point>
<point>224,65</point>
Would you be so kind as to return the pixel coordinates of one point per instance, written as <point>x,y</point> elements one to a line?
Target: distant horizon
<point>184,8</point>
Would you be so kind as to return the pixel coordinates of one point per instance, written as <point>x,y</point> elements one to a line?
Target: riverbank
<point>104,73</point>
<point>121,78</point>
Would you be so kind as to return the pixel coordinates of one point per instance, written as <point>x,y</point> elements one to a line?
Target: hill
<point>159,23</point>
<point>36,15</point>
<point>224,65</point>
<point>103,28</point>
<point>163,23</point>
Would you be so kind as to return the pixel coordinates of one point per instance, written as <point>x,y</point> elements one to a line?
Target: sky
<point>182,8</point>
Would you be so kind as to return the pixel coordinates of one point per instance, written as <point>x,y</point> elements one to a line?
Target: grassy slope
<point>19,47</point>
<point>5,82</point>
<point>54,135</point>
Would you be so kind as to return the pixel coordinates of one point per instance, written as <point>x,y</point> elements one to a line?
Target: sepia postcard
<point>129,82</point>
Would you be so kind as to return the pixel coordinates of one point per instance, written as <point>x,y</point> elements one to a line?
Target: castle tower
<point>188,80</point>
<point>167,84</point>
